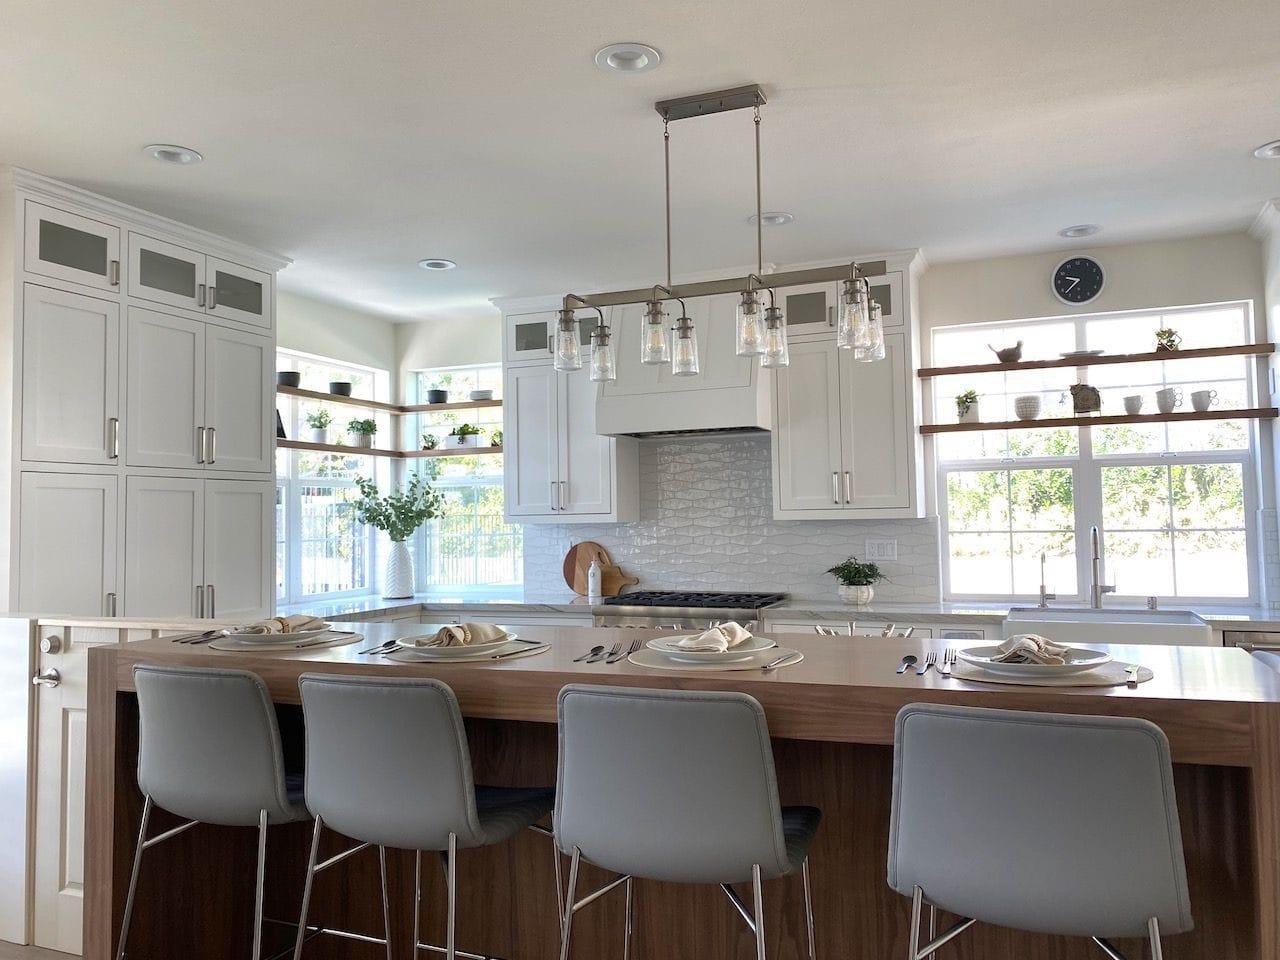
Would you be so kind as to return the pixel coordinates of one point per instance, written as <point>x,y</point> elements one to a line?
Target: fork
<point>613,652</point>
<point>615,657</point>
<point>948,661</point>
<point>930,659</point>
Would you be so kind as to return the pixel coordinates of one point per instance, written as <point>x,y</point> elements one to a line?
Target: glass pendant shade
<point>655,346</point>
<point>684,352</point>
<point>604,363</point>
<point>775,352</point>
<point>851,330</point>
<point>874,349</point>
<point>568,355</point>
<point>750,324</point>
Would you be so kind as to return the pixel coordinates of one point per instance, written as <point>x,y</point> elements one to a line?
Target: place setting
<point>297,632</point>
<point>1032,660</point>
<point>459,643</point>
<point>725,646</point>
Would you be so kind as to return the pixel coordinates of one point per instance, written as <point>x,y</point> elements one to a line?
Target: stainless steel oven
<point>673,610</point>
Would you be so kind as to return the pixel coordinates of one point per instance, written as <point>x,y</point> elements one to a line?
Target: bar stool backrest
<point>209,745</point>
<point>668,785</point>
<point>387,761</point>
<point>1053,823</point>
<point>1270,657</point>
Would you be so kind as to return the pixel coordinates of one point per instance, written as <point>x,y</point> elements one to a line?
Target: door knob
<point>51,644</point>
<point>46,678</point>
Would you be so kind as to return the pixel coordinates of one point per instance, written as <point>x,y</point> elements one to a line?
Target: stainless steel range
<point>682,610</point>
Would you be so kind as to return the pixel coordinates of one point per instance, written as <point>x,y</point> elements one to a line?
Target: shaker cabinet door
<point>70,377</point>
<point>586,458</point>
<point>531,450</point>
<point>239,401</point>
<point>238,293</point>
<point>239,549</point>
<point>163,546</point>
<point>70,247</point>
<point>67,544</point>
<point>878,427</point>
<point>164,386</point>
<point>810,474</point>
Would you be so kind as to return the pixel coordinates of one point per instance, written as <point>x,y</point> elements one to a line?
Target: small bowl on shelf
<point>288,378</point>
<point>437,396</point>
<point>341,388</point>
<point>481,394</point>
<point>1028,407</point>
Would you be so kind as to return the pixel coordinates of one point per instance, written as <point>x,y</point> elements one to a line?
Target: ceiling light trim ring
<point>173,153</point>
<point>628,58</point>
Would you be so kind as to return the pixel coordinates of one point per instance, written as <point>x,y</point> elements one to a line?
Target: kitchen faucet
<point>1096,587</point>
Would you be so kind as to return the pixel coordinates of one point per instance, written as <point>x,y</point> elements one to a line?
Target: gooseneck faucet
<point>1096,587</point>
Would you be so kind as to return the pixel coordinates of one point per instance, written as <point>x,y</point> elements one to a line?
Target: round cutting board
<point>577,563</point>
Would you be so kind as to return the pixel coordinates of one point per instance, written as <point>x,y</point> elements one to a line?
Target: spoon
<point>594,651</point>
<point>908,662</point>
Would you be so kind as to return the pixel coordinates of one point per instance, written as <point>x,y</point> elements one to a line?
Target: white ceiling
<point>358,138</point>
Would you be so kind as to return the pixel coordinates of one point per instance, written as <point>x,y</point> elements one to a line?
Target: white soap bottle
<point>595,574</point>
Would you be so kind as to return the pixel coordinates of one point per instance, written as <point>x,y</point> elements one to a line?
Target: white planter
<point>455,442</point>
<point>362,439</point>
<point>860,595</point>
<point>969,416</point>
<point>398,583</point>
<point>319,434</point>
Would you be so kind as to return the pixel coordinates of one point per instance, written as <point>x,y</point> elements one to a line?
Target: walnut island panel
<point>832,722</point>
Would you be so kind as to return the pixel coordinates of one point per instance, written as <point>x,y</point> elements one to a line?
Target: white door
<point>239,549</point>
<point>164,390</point>
<point>238,293</point>
<point>70,377</point>
<point>163,547</point>
<point>586,458</point>
<point>239,400</point>
<point>70,247</point>
<point>529,437</point>
<point>878,428</point>
<point>165,273</point>
<point>67,544</point>
<point>808,472</point>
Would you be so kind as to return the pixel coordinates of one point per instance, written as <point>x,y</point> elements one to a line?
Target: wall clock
<point>1077,280</point>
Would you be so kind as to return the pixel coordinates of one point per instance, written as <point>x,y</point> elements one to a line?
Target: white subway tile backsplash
<point>706,522</point>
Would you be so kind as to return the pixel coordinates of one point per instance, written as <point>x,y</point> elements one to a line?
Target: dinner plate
<point>667,647</point>
<point>449,653</point>
<point>279,637</point>
<point>1077,354</point>
<point>1079,659</point>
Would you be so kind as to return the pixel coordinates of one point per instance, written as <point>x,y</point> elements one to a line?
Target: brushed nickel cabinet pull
<point>213,444</point>
<point>199,601</point>
<point>113,438</point>
<point>113,273</point>
<point>848,487</point>
<point>199,294</point>
<point>213,296</point>
<point>213,606</point>
<point>199,444</point>
<point>835,486</point>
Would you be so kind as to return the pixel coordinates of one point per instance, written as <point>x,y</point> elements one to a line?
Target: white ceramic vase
<point>319,434</point>
<point>859,594</point>
<point>969,416</point>
<point>398,583</point>
<point>362,440</point>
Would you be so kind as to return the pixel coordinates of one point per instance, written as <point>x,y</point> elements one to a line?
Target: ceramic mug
<point>1169,398</point>
<point>1133,405</point>
<point>1204,399</point>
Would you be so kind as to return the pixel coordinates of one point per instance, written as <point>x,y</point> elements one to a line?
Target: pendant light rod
<point>759,205</point>
<point>666,162</point>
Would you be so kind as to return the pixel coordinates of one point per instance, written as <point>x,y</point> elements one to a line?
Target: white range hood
<point>730,394</point>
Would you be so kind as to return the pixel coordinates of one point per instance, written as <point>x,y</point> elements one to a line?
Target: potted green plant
<point>430,441</point>
<point>463,435</point>
<point>967,406</point>
<point>495,438</point>
<point>318,421</point>
<point>398,515</point>
<point>857,578</point>
<point>362,432</point>
<point>1167,340</point>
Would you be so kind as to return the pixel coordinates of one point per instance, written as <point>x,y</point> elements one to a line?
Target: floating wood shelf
<point>377,452</point>
<point>1243,350</point>
<point>395,409</point>
<point>1252,413</point>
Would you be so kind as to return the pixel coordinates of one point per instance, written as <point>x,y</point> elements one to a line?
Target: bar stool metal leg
<point>913,941</point>
<point>417,901</point>
<point>451,945</point>
<point>808,908</point>
<point>757,895</point>
<point>933,928</point>
<point>627,925</point>
<point>260,890</point>
<point>133,878</point>
<point>566,928</point>
<point>1153,932</point>
<point>386,902</point>
<point>306,890</point>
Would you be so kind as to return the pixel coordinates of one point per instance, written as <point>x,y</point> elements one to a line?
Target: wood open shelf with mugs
<point>1252,413</point>
<point>1101,359</point>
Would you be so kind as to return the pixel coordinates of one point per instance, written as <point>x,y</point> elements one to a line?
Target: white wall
<point>449,343</point>
<point>339,333</point>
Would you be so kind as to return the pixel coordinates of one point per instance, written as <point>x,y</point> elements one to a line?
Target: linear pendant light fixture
<point>760,331</point>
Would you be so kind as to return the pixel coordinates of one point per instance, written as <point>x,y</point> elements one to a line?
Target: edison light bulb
<point>568,356</point>
<point>603,363</point>
<point>775,353</point>
<point>654,345</point>
<point>684,355</point>
<point>749,325</point>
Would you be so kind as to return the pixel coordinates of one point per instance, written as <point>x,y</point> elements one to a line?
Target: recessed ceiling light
<point>1079,230</point>
<point>628,57</point>
<point>172,153</point>
<point>1268,151</point>
<point>435,263</point>
<point>773,218</point>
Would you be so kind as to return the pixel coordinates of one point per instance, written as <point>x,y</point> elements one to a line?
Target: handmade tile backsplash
<point>706,522</point>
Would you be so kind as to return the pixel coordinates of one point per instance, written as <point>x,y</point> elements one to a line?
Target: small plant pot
<point>969,416</point>
<point>364,440</point>
<point>437,396</point>
<point>319,434</point>
<point>288,378</point>
<point>857,595</point>
<point>1028,407</point>
<point>341,387</point>
<point>455,442</point>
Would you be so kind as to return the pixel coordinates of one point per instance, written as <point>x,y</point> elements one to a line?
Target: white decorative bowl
<point>1028,407</point>
<point>859,595</point>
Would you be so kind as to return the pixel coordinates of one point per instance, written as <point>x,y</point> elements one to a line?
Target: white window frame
<point>1086,475</point>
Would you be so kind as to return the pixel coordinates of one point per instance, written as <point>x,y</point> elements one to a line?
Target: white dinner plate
<point>667,646</point>
<point>297,635</point>
<point>449,653</point>
<point>1078,354</point>
<point>1079,659</point>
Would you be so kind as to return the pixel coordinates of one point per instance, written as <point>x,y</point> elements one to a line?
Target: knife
<point>517,652</point>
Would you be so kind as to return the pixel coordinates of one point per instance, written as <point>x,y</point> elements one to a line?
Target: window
<point>469,550</point>
<point>321,549</point>
<point>1173,500</point>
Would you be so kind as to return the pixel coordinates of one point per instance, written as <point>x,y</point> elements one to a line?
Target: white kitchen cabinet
<point>888,291</point>
<point>239,293</point>
<point>807,441</point>
<point>528,336</point>
<point>878,429</point>
<point>841,627</point>
<point>556,467</point>
<point>165,273</point>
<point>70,377</point>
<point>198,548</point>
<point>198,396</point>
<point>68,544</point>
<point>72,247</point>
<point>811,308</point>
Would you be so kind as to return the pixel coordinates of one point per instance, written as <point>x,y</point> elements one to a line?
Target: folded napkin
<point>1031,648</point>
<point>293,624</point>
<point>716,640</point>
<point>463,635</point>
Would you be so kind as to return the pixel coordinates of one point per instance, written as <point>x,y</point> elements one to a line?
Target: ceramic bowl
<point>481,394</point>
<point>437,396</point>
<point>1027,408</point>
<point>340,387</point>
<point>288,378</point>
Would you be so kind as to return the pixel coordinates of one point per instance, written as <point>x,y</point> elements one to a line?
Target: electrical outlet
<point>882,549</point>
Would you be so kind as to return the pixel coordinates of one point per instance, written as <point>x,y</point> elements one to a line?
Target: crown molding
<point>39,187</point>
<point>1266,225</point>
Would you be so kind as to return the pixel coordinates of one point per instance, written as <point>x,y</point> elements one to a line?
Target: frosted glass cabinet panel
<point>165,272</point>
<point>70,247</point>
<point>238,293</point>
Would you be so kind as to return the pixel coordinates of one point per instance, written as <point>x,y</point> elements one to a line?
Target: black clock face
<point>1077,280</point>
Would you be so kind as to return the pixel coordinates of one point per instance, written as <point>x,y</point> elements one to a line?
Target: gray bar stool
<point>675,786</point>
<point>388,764</point>
<point>1270,657</point>
<point>209,751</point>
<point>1049,823</point>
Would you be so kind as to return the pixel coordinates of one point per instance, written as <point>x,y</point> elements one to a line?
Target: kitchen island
<point>832,719</point>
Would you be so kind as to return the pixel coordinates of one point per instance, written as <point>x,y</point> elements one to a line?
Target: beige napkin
<point>293,624</point>
<point>716,640</point>
<point>1031,648</point>
<point>463,635</point>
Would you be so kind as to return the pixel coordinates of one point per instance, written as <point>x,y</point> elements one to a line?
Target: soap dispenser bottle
<point>595,574</point>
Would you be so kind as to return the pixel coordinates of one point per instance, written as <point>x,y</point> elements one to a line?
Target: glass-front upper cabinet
<point>529,335</point>
<point>166,273</point>
<point>886,290</point>
<point>71,247</point>
<point>808,309</point>
<point>238,293</point>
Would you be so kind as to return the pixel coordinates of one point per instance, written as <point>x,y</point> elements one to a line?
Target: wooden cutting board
<point>577,565</point>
